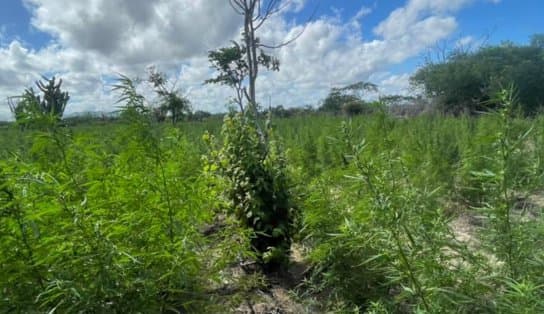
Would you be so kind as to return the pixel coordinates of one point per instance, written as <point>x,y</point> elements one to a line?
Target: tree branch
<point>285,43</point>
<point>237,6</point>
<point>271,9</point>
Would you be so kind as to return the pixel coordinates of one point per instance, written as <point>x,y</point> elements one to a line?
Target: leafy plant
<point>503,179</point>
<point>257,186</point>
<point>134,102</point>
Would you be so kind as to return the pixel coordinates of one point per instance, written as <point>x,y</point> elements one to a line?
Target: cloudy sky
<point>382,41</point>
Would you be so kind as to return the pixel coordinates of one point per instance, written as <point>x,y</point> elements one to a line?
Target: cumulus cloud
<point>137,31</point>
<point>396,84</point>
<point>293,5</point>
<point>418,12</point>
<point>95,39</point>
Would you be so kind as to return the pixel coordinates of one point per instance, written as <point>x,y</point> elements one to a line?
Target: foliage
<point>31,108</point>
<point>257,186</point>
<point>134,103</point>
<point>467,81</point>
<point>348,99</point>
<point>200,115</point>
<point>250,158</point>
<point>379,228</point>
<point>115,236</point>
<point>233,69</point>
<point>537,40</point>
<point>507,172</point>
<point>106,222</point>
<point>107,217</point>
<point>377,218</point>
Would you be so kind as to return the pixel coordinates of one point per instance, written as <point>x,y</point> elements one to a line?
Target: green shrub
<point>252,162</point>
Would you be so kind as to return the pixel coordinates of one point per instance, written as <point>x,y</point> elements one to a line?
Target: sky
<point>88,43</point>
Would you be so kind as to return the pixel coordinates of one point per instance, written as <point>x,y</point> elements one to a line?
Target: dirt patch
<point>278,297</point>
<point>537,199</point>
<point>465,228</point>
<point>277,300</point>
<point>466,225</point>
<point>530,207</point>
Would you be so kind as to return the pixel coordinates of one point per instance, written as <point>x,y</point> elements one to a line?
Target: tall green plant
<point>134,105</point>
<point>109,224</point>
<point>257,184</point>
<point>380,231</point>
<point>502,179</point>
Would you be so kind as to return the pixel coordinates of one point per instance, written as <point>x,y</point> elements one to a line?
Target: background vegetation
<point>468,80</point>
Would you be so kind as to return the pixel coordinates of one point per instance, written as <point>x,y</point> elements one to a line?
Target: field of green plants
<point>430,214</point>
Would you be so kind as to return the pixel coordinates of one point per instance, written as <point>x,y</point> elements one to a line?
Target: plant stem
<point>411,274</point>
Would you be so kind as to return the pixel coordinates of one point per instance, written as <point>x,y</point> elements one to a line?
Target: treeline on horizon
<point>465,82</point>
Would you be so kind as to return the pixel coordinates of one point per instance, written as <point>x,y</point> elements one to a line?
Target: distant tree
<point>334,102</point>
<point>31,105</point>
<point>171,100</point>
<point>467,82</point>
<point>282,112</point>
<point>277,111</point>
<point>350,96</point>
<point>405,106</point>
<point>397,100</point>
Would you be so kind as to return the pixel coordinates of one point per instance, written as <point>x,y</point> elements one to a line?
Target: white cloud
<point>363,11</point>
<point>294,5</point>
<point>464,41</point>
<point>137,31</point>
<point>401,20</point>
<point>396,84</point>
<point>95,39</point>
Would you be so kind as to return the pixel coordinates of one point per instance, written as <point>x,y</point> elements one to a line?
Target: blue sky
<point>513,20</point>
<point>87,42</point>
<point>15,24</point>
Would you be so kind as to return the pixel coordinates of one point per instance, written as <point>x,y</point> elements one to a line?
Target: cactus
<point>54,100</point>
<point>30,106</point>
